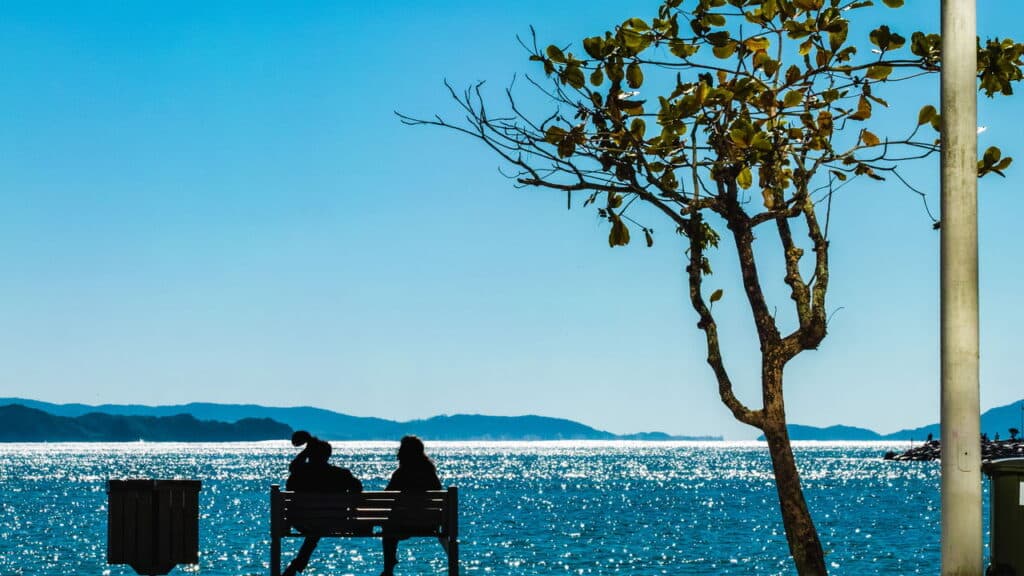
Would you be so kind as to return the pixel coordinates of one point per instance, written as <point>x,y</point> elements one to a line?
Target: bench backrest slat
<point>420,513</point>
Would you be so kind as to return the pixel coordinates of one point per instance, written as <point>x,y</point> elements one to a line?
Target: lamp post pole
<point>960,420</point>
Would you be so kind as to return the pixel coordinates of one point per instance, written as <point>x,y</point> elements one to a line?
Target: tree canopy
<point>737,117</point>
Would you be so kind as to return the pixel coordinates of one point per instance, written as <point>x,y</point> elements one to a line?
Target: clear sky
<point>213,201</point>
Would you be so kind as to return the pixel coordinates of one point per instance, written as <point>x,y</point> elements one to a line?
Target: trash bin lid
<point>135,484</point>
<point>1004,466</point>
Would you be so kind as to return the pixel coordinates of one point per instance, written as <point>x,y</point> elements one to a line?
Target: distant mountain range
<point>337,426</point>
<point>19,423</point>
<point>995,421</point>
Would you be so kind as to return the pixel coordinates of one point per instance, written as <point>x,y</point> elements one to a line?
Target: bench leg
<point>452,548</point>
<point>275,555</point>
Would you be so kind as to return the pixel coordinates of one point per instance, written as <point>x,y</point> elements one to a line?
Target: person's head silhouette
<point>319,451</point>
<point>411,450</point>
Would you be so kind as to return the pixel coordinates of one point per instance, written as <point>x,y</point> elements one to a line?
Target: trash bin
<point>1006,516</point>
<point>153,525</point>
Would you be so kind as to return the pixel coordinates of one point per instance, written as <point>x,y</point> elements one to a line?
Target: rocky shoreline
<point>932,450</point>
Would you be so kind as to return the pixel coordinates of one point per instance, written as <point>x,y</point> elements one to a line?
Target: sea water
<point>529,508</point>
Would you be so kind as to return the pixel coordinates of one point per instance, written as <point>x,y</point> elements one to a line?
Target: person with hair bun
<point>416,473</point>
<point>311,472</point>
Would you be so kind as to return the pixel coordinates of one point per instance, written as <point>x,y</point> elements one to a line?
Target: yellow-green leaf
<point>755,44</point>
<point>740,137</point>
<point>793,98</point>
<point>725,50</point>
<point>682,49</point>
<point>716,296</point>
<point>863,110</point>
<point>638,127</point>
<point>634,75</point>
<point>744,178</point>
<point>879,72</point>
<point>868,138</point>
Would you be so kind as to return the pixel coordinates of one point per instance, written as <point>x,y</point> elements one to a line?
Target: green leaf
<point>926,114</point>
<point>637,24</point>
<point>573,76</point>
<point>613,68</point>
<point>594,46</point>
<point>880,72</point>
<point>555,53</point>
<point>893,3</point>
<point>681,49</point>
<point>634,75</point>
<point>638,127</point>
<point>554,135</point>
<point>566,148</point>
<point>596,77</point>
<point>716,296</point>
<point>992,155</point>
<point>793,98</point>
<point>619,234</point>
<point>713,19</point>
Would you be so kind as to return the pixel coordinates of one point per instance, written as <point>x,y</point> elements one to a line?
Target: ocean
<point>526,508</point>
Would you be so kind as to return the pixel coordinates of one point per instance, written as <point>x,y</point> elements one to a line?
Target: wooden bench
<point>433,513</point>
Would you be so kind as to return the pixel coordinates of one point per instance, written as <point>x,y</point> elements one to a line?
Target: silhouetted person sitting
<point>416,473</point>
<point>310,472</point>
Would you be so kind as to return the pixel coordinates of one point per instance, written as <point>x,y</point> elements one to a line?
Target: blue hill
<point>997,420</point>
<point>19,423</point>
<point>800,432</point>
<point>337,426</point>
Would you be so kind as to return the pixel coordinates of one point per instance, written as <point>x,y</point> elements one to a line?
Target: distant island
<point>19,423</point>
<point>994,422</point>
<point>324,423</point>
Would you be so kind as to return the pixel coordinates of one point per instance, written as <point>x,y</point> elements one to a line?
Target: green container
<point>1006,516</point>
<point>153,525</point>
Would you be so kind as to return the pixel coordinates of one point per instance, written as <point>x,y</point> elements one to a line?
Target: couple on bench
<point>311,472</point>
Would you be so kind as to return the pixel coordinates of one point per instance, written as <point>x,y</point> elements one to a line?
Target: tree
<point>764,116</point>
<point>1013,433</point>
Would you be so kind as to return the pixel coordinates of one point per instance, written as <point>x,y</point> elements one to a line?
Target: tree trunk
<point>804,545</point>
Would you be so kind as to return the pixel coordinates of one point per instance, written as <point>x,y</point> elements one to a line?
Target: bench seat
<point>433,513</point>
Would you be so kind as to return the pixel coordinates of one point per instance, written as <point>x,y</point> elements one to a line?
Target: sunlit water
<point>525,508</point>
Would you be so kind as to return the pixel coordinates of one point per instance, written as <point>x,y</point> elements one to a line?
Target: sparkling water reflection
<point>526,508</point>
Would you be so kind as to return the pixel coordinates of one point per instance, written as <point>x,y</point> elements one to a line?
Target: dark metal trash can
<point>1006,516</point>
<point>153,525</point>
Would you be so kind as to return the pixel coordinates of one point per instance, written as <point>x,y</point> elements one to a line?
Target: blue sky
<point>214,202</point>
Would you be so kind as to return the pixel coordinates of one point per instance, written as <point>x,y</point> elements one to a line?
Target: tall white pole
<point>961,458</point>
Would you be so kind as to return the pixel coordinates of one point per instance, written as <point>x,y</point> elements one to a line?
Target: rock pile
<point>932,450</point>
